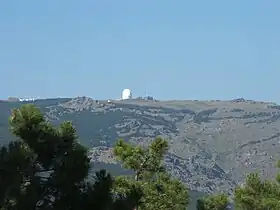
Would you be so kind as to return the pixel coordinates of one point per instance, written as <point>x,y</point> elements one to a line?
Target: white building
<point>126,94</point>
<point>26,99</point>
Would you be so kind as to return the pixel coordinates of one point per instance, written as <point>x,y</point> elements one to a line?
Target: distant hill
<point>213,143</point>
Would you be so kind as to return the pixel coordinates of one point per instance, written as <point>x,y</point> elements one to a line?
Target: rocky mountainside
<point>213,144</point>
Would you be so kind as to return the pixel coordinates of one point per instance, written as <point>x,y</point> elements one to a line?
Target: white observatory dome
<point>126,94</point>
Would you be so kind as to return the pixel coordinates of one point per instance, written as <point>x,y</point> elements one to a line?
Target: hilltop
<point>213,143</point>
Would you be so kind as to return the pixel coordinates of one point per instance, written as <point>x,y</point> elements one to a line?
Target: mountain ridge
<point>213,144</point>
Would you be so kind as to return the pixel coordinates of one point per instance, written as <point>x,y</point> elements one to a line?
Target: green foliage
<point>257,194</point>
<point>159,190</point>
<point>47,169</point>
<point>164,193</point>
<point>213,202</point>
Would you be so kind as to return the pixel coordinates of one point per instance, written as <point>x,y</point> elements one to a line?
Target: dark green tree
<point>159,190</point>
<point>258,194</point>
<point>47,169</point>
<point>213,202</point>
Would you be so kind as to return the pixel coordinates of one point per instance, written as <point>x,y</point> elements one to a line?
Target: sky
<point>178,49</point>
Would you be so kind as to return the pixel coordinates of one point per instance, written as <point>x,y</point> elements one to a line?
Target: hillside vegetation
<point>213,144</point>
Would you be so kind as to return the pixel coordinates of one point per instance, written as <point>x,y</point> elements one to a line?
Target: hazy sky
<point>177,49</point>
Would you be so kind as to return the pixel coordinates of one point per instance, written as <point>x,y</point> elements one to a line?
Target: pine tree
<point>47,169</point>
<point>160,191</point>
<point>213,202</point>
<point>258,194</point>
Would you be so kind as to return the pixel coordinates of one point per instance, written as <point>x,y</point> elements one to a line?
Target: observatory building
<point>126,94</point>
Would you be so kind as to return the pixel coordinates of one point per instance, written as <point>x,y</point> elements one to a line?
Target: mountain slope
<point>213,144</point>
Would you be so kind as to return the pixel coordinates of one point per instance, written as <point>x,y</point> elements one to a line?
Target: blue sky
<point>169,49</point>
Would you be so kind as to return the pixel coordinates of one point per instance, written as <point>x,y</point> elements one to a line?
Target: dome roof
<point>126,94</point>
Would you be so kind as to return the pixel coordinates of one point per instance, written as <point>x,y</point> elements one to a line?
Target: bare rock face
<point>213,144</point>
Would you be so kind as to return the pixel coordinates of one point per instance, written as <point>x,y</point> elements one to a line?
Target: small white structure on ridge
<point>126,94</point>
